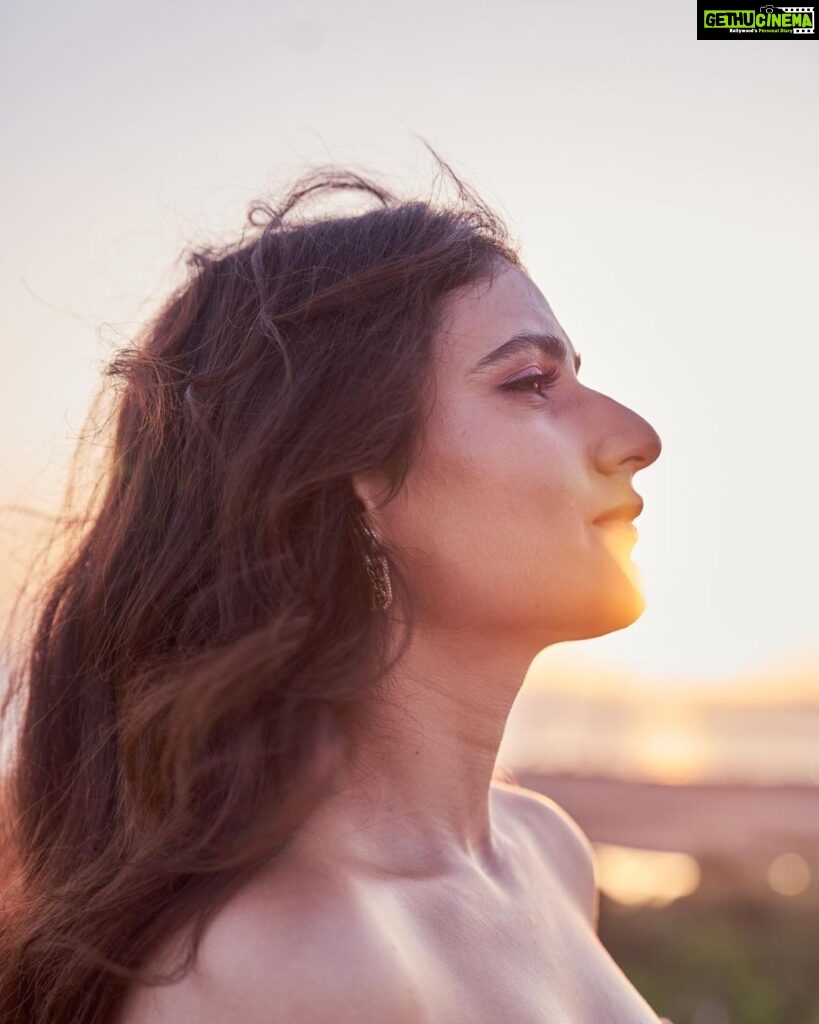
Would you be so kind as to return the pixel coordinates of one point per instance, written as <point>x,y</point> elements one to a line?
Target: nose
<point>650,446</point>
<point>629,439</point>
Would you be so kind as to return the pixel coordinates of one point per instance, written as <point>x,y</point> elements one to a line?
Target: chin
<point>616,609</point>
<point>606,610</point>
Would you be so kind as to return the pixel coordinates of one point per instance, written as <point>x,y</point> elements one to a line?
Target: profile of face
<point>517,458</point>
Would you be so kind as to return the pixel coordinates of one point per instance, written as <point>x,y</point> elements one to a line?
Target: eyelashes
<point>534,383</point>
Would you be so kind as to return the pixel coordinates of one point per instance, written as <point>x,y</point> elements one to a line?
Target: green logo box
<point>764,22</point>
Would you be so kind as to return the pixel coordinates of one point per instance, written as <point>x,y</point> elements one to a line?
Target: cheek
<point>494,524</point>
<point>487,511</point>
<point>518,474</point>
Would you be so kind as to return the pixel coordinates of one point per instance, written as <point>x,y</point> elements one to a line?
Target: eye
<point>538,383</point>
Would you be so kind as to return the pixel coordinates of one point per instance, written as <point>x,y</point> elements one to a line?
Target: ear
<point>371,489</point>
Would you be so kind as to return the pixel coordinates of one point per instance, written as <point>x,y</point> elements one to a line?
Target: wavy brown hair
<point>200,657</point>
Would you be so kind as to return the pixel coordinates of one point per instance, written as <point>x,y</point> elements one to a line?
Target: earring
<point>378,569</point>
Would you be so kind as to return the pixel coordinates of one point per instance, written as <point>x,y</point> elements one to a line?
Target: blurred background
<point>663,192</point>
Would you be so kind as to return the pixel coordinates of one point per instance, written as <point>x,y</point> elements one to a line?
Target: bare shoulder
<point>562,841</point>
<point>279,951</point>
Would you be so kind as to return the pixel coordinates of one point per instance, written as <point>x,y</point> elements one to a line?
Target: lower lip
<point>623,525</point>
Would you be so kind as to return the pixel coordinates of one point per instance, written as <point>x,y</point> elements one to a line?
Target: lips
<point>622,513</point>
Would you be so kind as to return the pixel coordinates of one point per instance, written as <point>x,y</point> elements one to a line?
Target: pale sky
<point>663,191</point>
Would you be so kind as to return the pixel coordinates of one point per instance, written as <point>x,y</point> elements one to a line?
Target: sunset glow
<point>668,746</point>
<point>645,877</point>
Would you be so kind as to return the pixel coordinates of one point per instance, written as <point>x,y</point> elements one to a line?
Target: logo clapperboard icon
<point>770,9</point>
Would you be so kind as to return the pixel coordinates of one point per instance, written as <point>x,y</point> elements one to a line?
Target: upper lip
<point>628,510</point>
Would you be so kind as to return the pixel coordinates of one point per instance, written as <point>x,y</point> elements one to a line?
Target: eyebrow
<point>547,344</point>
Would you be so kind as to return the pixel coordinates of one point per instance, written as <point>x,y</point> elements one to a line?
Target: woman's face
<point>517,459</point>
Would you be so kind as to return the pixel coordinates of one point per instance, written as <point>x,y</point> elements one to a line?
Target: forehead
<point>481,316</point>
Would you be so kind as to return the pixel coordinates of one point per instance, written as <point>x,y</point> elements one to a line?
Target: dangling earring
<point>378,569</point>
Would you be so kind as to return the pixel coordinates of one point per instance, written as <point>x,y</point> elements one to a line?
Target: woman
<point>355,486</point>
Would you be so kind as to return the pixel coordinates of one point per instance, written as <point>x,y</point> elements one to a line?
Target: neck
<point>413,799</point>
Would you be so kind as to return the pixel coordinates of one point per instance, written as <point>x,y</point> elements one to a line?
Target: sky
<point>662,191</point>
